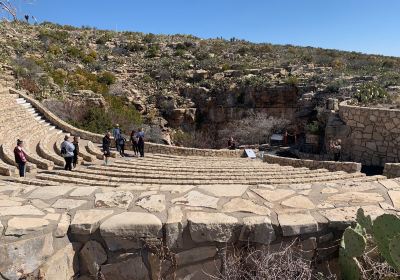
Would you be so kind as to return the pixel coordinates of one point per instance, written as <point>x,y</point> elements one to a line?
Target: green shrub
<point>149,38</point>
<point>53,35</point>
<point>107,78</point>
<point>292,80</point>
<point>153,51</point>
<point>103,39</point>
<point>313,128</point>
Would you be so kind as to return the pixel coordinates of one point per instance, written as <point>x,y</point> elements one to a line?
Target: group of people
<point>69,151</point>
<point>136,138</point>
<point>70,148</point>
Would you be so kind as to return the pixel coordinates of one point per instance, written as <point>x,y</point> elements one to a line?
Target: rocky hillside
<point>179,83</point>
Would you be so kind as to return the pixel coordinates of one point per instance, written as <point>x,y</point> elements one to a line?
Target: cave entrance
<point>372,170</point>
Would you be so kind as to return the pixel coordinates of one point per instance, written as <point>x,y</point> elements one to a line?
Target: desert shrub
<point>179,52</point>
<point>82,79</point>
<point>255,264</point>
<point>59,76</point>
<point>90,57</point>
<point>74,51</point>
<point>47,35</point>
<point>149,38</point>
<point>29,85</point>
<point>292,80</point>
<point>369,93</point>
<point>107,78</point>
<point>104,39</point>
<point>135,47</point>
<point>99,120</point>
<point>152,51</point>
<point>255,129</point>
<point>54,49</point>
<point>201,139</point>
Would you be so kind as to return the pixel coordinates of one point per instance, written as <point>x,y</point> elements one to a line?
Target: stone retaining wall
<point>392,170</point>
<point>97,138</point>
<point>314,164</point>
<point>374,137</point>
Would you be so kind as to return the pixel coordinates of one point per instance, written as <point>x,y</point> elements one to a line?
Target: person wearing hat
<point>20,158</point>
<point>67,152</point>
<point>116,134</point>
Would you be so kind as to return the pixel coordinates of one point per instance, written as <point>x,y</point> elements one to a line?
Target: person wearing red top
<point>20,158</point>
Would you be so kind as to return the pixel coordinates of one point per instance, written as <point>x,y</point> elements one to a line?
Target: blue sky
<point>369,26</point>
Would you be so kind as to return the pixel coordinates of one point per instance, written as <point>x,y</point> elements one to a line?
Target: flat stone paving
<point>124,213</point>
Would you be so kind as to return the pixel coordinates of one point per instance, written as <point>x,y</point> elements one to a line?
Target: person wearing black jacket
<point>134,140</point>
<point>106,147</point>
<point>76,151</point>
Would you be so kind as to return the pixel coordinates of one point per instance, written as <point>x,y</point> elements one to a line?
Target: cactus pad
<point>349,267</point>
<point>385,228</point>
<point>364,221</point>
<point>354,243</point>
<point>394,249</point>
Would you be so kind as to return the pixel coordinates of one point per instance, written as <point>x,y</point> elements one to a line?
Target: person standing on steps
<point>140,136</point>
<point>106,147</point>
<point>67,152</point>
<point>134,140</point>
<point>76,151</point>
<point>20,158</point>
<point>116,133</point>
<point>121,143</point>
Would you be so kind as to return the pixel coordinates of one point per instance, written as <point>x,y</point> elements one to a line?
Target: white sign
<point>250,153</point>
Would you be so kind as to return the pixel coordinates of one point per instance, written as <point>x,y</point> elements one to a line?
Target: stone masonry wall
<point>374,137</point>
<point>149,147</point>
<point>392,170</point>
<point>314,164</point>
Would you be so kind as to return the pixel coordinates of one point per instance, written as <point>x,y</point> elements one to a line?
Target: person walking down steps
<point>76,151</point>
<point>121,143</point>
<point>134,140</point>
<point>106,147</point>
<point>20,158</point>
<point>67,152</point>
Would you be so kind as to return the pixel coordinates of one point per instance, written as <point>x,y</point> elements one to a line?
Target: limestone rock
<point>257,229</point>
<point>92,255</point>
<point>273,195</point>
<point>21,226</point>
<point>357,198</point>
<point>297,224</point>
<point>111,199</point>
<point>63,225</point>
<point>83,191</point>
<point>173,189</point>
<point>127,226</point>
<point>65,203</point>
<point>195,255</point>
<point>395,197</point>
<point>20,211</point>
<point>342,217</point>
<point>88,221</point>
<point>152,203</point>
<point>224,190</point>
<point>174,227</point>
<point>197,199</point>
<point>23,257</point>
<point>61,266</point>
<point>299,202</point>
<point>50,192</point>
<point>8,202</point>
<point>126,270</point>
<point>245,205</point>
<point>390,184</point>
<point>212,227</point>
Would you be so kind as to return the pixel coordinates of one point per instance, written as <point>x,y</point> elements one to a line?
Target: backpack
<point>63,150</point>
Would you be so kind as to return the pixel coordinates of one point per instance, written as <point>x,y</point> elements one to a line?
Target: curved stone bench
<point>313,164</point>
<point>45,148</point>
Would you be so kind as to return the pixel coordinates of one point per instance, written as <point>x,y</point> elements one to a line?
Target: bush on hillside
<point>370,93</point>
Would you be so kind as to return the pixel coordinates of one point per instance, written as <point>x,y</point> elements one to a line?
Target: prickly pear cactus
<point>353,243</point>
<point>349,267</point>
<point>364,221</point>
<point>385,228</point>
<point>394,249</point>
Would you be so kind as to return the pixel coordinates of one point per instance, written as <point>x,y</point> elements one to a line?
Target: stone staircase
<point>20,120</point>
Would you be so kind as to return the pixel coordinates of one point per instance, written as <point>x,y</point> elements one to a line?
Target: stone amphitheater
<point>112,222</point>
